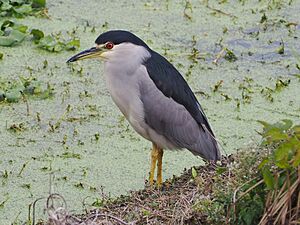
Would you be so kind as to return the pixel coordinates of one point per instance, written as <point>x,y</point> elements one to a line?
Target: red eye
<point>109,45</point>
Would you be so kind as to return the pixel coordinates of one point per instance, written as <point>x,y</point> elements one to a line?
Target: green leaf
<point>13,96</point>
<point>268,177</point>
<point>194,173</point>
<point>220,170</point>
<point>264,123</point>
<point>5,6</point>
<point>1,55</point>
<point>37,35</point>
<point>7,23</point>
<point>19,2</point>
<point>282,151</point>
<point>7,41</point>
<point>20,8</point>
<point>287,124</point>
<point>48,42</point>
<point>23,9</point>
<point>14,37</point>
<point>54,42</point>
<point>263,163</point>
<point>296,158</point>
<point>275,134</point>
<point>73,44</point>
<point>284,125</point>
<point>286,151</point>
<point>17,35</point>
<point>20,27</point>
<point>58,47</point>
<point>38,3</point>
<point>296,130</point>
<point>283,164</point>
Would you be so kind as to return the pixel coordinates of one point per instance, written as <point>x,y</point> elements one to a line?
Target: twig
<point>219,56</point>
<point>254,186</point>
<point>26,102</point>
<point>220,11</point>
<point>33,210</point>
<point>105,215</point>
<point>58,196</point>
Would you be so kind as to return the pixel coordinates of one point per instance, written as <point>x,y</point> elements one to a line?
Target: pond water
<point>77,143</point>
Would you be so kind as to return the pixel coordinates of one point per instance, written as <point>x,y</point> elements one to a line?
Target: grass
<point>253,186</point>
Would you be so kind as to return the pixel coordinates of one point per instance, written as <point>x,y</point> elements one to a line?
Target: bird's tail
<point>214,145</point>
<point>207,147</point>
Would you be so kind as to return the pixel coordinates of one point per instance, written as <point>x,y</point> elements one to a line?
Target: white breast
<point>123,72</point>
<point>125,93</point>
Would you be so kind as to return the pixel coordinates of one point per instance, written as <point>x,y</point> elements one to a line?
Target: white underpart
<point>124,72</point>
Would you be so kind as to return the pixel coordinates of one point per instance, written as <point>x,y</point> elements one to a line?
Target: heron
<point>154,98</point>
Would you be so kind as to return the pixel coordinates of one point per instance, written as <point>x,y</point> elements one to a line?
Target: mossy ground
<point>201,195</point>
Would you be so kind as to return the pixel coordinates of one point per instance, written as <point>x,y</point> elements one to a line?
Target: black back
<point>170,82</point>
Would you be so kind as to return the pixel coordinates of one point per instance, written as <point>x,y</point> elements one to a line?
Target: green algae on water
<point>76,134</point>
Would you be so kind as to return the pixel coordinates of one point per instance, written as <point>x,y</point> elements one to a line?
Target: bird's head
<point>115,45</point>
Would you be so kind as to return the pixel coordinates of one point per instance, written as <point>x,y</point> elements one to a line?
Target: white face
<point>121,57</point>
<point>124,52</point>
<point>124,58</point>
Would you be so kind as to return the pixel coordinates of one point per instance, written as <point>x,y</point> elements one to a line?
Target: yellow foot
<point>156,157</point>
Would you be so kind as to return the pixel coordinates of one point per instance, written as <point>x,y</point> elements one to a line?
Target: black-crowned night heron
<point>153,96</point>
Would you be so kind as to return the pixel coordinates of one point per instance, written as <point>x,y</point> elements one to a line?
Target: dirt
<point>173,203</point>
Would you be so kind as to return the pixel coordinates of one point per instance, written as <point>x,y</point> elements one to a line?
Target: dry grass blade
<point>96,215</point>
<point>281,209</point>
<point>247,191</point>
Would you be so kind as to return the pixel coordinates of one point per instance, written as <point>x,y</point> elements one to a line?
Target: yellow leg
<point>159,167</point>
<point>156,156</point>
<point>153,164</point>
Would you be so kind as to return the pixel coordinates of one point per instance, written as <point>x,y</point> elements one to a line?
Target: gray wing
<point>171,83</point>
<point>175,123</point>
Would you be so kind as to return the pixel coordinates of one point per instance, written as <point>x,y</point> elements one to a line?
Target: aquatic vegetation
<point>82,111</point>
<point>55,42</point>
<point>21,8</point>
<point>229,55</point>
<point>225,53</point>
<point>37,35</point>
<point>14,90</point>
<point>280,84</point>
<point>188,6</point>
<point>12,33</point>
<point>217,85</point>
